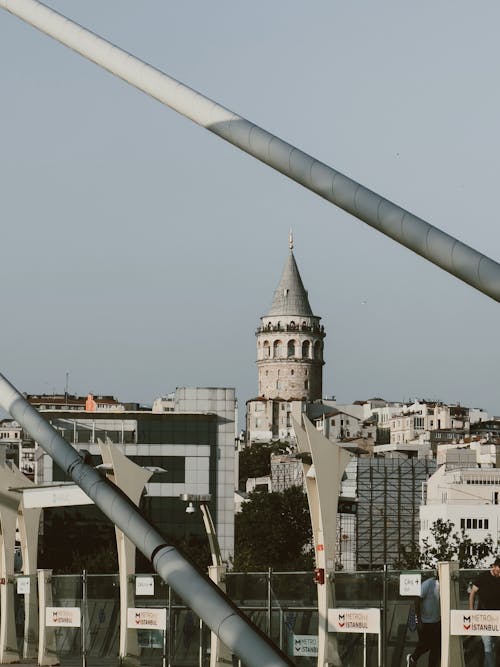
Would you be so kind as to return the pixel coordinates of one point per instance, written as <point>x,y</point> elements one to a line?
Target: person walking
<point>487,585</point>
<point>428,619</point>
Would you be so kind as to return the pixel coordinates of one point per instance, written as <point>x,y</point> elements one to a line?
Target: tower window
<point>306,347</point>
<point>306,384</point>
<point>267,349</point>
<point>291,348</point>
<point>277,348</point>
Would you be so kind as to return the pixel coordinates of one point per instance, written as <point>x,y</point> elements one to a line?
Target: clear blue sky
<point>139,251</point>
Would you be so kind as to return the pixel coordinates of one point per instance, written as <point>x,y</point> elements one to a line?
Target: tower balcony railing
<point>306,328</point>
<point>295,358</point>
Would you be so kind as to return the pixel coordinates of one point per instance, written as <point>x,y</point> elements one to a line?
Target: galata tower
<point>289,358</point>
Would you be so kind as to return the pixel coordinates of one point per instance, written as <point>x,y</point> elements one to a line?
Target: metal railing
<point>281,604</point>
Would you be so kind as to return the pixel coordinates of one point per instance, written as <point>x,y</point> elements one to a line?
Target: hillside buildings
<point>395,444</point>
<point>413,461</point>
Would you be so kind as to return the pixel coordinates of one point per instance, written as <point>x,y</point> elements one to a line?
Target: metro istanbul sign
<point>478,622</point>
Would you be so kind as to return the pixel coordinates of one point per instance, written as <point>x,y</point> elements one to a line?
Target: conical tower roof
<point>290,297</point>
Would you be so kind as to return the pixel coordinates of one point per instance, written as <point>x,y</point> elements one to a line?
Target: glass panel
<point>283,605</point>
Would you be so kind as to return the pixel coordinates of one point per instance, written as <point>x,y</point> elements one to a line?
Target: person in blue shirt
<point>428,619</point>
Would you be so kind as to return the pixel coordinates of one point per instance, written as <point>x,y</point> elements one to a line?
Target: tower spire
<point>290,297</point>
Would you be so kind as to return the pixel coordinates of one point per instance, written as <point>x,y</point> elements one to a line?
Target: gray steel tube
<point>430,242</point>
<point>197,591</point>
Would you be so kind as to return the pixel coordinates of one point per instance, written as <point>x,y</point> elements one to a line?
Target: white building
<point>464,494</point>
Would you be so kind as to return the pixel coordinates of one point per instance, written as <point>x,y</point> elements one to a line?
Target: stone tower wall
<point>290,358</point>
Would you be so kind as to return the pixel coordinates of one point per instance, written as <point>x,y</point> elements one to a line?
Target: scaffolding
<point>389,496</point>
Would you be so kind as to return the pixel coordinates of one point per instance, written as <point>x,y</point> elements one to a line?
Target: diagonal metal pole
<point>426,240</point>
<point>207,600</point>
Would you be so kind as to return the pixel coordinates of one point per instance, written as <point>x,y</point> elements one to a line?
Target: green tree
<point>274,530</point>
<point>255,460</point>
<point>446,544</point>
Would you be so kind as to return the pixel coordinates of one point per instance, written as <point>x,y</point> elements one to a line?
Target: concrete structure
<point>452,651</point>
<point>323,475</point>
<point>131,479</point>
<point>13,514</point>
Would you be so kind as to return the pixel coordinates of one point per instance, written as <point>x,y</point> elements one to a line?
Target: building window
<point>306,346</point>
<point>277,348</point>
<point>291,348</point>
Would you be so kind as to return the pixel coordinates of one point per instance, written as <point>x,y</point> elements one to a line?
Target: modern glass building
<point>188,437</point>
